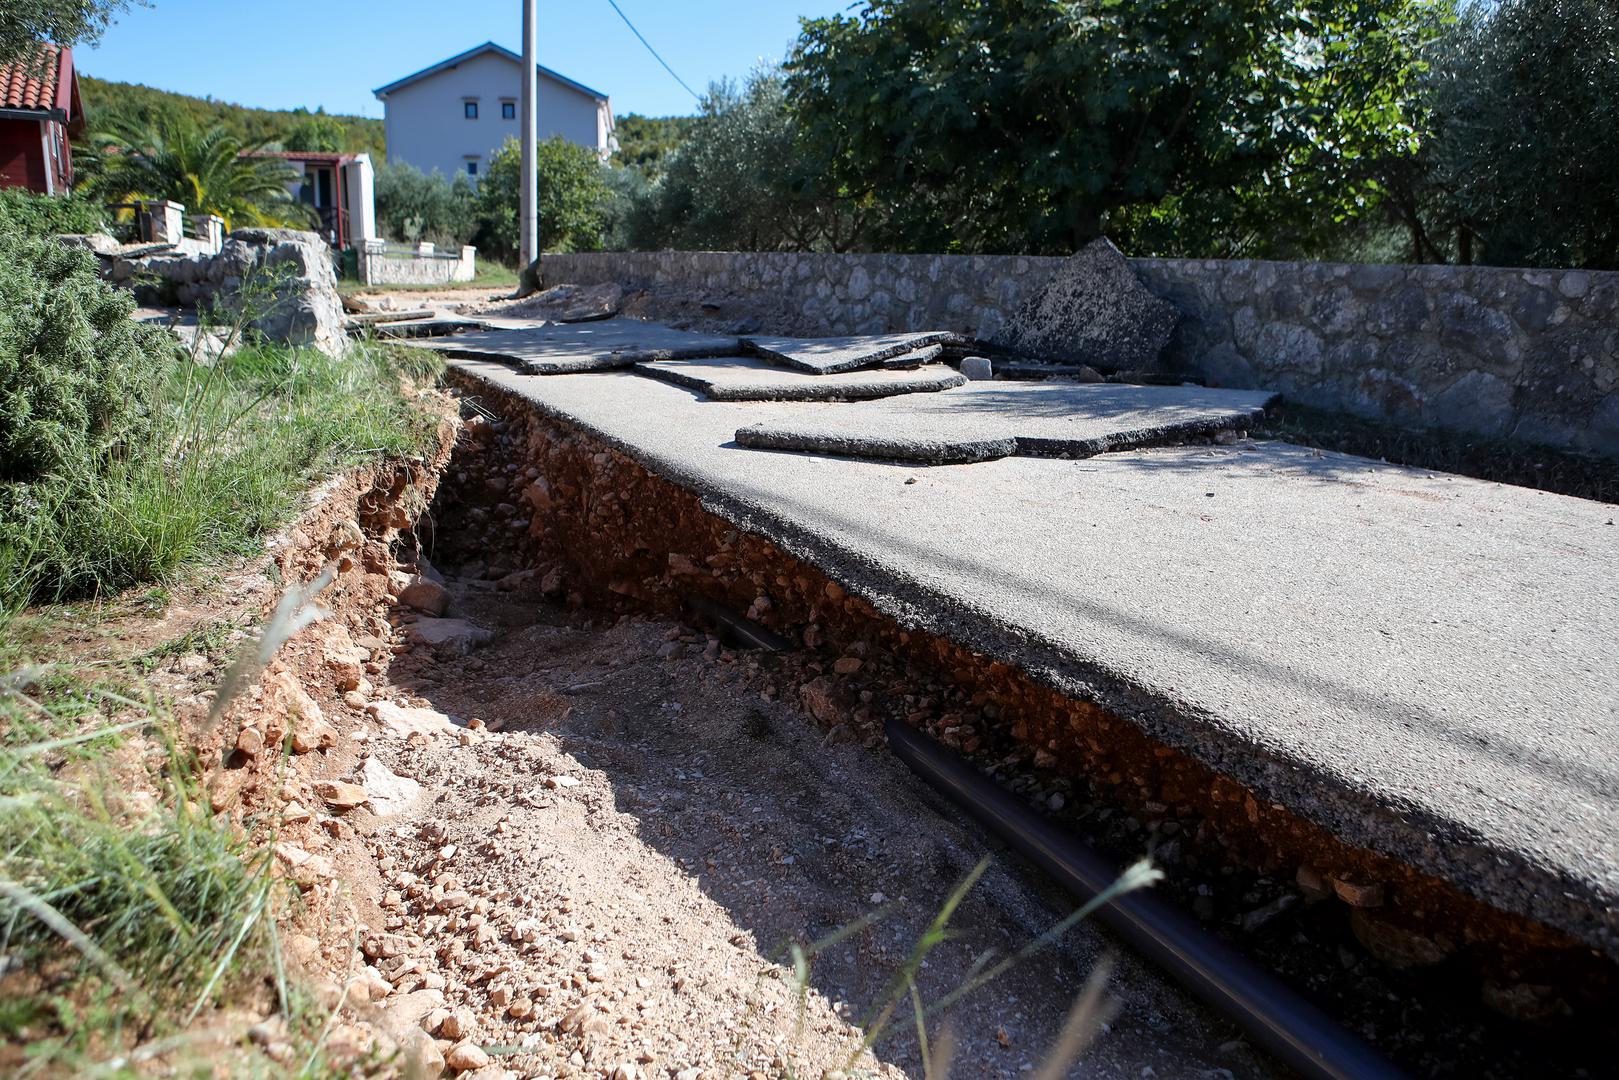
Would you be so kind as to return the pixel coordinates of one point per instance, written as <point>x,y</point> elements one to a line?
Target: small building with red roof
<point>39,112</point>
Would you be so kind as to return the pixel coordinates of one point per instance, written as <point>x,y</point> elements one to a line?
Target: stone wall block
<point>1478,403</point>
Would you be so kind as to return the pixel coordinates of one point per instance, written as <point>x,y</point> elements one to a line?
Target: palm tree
<point>206,170</point>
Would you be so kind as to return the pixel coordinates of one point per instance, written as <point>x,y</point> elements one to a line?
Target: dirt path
<point>601,878</point>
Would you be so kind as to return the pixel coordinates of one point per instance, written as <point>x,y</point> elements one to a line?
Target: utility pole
<point>529,206</point>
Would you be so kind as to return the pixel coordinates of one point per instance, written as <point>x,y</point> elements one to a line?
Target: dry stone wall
<point>1531,355</point>
<point>285,275</point>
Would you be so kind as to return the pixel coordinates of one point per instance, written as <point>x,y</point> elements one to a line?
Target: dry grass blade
<point>1085,1020</point>
<point>292,614</point>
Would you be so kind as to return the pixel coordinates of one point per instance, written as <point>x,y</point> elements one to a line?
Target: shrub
<point>574,199</point>
<point>23,213</point>
<point>413,206</point>
<point>74,369</point>
<point>234,443</point>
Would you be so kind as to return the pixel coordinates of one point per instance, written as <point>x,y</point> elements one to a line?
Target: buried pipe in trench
<point>1274,1017</point>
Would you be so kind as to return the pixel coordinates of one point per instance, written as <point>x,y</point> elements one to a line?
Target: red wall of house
<point>22,155</point>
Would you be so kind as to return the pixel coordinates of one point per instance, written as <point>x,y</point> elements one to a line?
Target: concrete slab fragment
<point>747,378</point>
<point>554,349</point>
<point>1422,664</point>
<point>987,420</point>
<point>426,328</point>
<point>825,356</point>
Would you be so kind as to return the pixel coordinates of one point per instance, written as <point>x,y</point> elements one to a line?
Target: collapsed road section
<point>1215,634</point>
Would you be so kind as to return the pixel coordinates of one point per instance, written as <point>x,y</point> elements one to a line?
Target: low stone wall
<point>379,266</point>
<point>1531,355</point>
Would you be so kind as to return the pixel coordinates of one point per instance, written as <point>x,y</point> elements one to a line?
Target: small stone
<point>424,1055</point>
<point>457,1025</point>
<point>977,368</point>
<point>561,782</point>
<point>1361,896</point>
<point>305,868</point>
<point>1312,884</point>
<point>576,1017</point>
<point>340,795</point>
<point>466,1056</point>
<point>308,737</point>
<point>425,595</point>
<point>355,700</point>
<point>250,741</point>
<point>267,1031</point>
<point>520,1009</point>
<point>848,665</point>
<point>1396,946</point>
<point>453,636</point>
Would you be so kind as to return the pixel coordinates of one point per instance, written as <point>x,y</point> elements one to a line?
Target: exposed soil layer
<point>545,505</point>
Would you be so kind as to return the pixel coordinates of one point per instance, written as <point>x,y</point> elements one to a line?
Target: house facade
<point>339,188</point>
<point>39,113</point>
<point>453,116</point>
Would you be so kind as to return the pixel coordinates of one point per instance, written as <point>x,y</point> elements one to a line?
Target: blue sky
<point>333,53</point>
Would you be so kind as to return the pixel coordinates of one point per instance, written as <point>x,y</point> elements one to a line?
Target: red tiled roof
<point>320,156</point>
<point>21,86</point>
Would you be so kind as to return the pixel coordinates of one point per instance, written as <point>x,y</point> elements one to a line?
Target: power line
<point>653,51</point>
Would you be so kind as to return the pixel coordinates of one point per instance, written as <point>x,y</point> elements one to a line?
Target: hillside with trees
<point>291,129</point>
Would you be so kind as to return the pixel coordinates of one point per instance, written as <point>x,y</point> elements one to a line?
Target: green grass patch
<point>129,910</point>
<point>1496,460</point>
<point>209,639</point>
<point>232,447</point>
<point>124,896</point>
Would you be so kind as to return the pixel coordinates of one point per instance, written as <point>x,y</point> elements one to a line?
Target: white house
<point>451,117</point>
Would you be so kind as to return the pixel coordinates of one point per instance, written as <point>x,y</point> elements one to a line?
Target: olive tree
<point>1032,125</point>
<point>26,24</point>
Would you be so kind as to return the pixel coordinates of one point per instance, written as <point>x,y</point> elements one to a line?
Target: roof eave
<point>382,92</point>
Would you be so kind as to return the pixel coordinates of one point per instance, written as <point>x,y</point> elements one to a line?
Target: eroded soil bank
<point>1403,957</point>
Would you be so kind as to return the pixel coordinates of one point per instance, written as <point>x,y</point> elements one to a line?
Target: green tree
<point>208,171</point>
<point>1032,125</point>
<point>1525,98</point>
<point>644,142</point>
<point>413,206</point>
<point>746,178</point>
<point>251,126</point>
<point>317,132</point>
<point>574,199</point>
<point>26,24</point>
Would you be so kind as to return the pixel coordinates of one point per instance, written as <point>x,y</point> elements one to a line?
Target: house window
<point>508,110</point>
<point>471,108</point>
<point>472,168</point>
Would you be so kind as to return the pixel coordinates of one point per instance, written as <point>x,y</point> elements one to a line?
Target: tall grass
<point>235,443</point>
<point>127,907</point>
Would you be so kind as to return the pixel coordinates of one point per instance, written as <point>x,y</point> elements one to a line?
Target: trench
<point>1439,981</point>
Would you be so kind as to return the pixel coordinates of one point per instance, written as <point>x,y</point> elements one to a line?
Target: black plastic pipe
<point>1273,1016</point>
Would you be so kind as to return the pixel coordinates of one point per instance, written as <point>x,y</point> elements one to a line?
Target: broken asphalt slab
<point>987,420</point>
<point>745,378</point>
<point>1422,664</point>
<point>828,356</point>
<point>554,349</point>
<point>426,328</point>
<point>1095,311</point>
